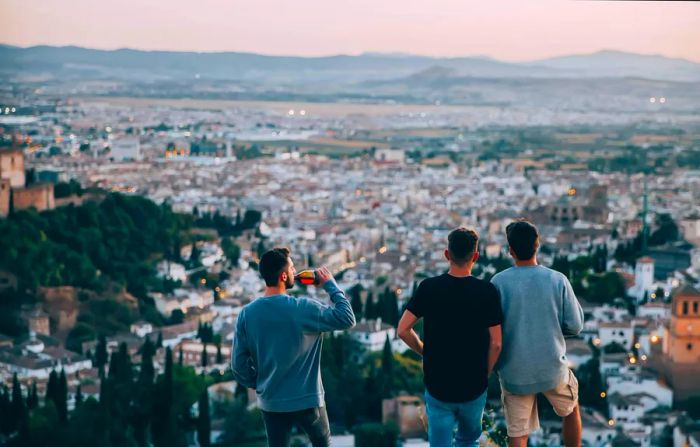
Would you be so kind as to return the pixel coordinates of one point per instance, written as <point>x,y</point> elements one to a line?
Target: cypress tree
<point>78,396</point>
<point>205,360</point>
<point>5,412</point>
<point>62,397</point>
<point>219,356</point>
<point>180,357</point>
<point>51,388</point>
<point>203,421</point>
<point>147,372</point>
<point>387,369</point>
<point>356,302</point>
<point>19,411</point>
<point>370,312</point>
<point>159,341</point>
<point>101,355</point>
<point>32,398</point>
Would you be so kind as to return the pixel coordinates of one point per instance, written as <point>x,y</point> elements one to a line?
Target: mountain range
<point>127,64</point>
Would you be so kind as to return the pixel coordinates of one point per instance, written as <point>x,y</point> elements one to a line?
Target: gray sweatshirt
<point>277,347</point>
<point>539,310</point>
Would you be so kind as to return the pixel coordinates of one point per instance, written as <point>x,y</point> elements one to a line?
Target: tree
<point>51,388</point>
<point>205,359</point>
<point>356,300</point>
<point>17,407</point>
<point>6,419</point>
<point>387,372</point>
<point>203,421</point>
<point>180,357</point>
<point>370,312</point>
<point>159,341</point>
<point>101,355</point>
<point>231,250</point>
<point>78,396</point>
<point>61,399</point>
<point>219,356</point>
<point>32,398</point>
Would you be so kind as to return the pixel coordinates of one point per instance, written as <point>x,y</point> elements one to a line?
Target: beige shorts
<point>521,410</point>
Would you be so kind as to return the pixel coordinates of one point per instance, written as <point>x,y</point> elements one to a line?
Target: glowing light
<point>637,345</point>
<point>633,360</point>
<point>382,250</point>
<point>644,357</point>
<point>363,259</point>
<point>108,129</point>
<point>572,191</point>
<point>291,112</point>
<point>662,100</point>
<point>603,394</point>
<point>653,296</point>
<point>596,341</point>
<point>202,281</point>
<point>7,110</point>
<point>302,112</point>
<point>654,338</point>
<point>398,291</point>
<point>652,100</point>
<point>611,422</point>
<point>13,110</point>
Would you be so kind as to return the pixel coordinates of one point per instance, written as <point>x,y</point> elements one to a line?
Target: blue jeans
<point>443,416</point>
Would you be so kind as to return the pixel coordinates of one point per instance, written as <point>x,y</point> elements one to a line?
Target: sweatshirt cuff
<point>331,287</point>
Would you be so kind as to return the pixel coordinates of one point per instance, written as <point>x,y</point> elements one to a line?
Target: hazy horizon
<point>516,31</point>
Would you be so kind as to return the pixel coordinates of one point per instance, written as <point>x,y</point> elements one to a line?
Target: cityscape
<point>136,202</point>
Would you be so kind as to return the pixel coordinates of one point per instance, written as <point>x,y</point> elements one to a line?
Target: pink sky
<point>516,30</point>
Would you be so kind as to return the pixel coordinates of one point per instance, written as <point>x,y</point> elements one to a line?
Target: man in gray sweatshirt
<point>277,350</point>
<point>539,310</point>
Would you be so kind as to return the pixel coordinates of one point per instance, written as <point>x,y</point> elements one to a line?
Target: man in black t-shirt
<point>462,330</point>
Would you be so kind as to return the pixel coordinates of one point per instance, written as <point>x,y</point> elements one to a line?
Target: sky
<point>515,30</point>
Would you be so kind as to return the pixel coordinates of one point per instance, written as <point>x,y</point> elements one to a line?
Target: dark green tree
<point>205,359</point>
<point>78,396</point>
<point>61,399</point>
<point>33,397</point>
<point>219,356</point>
<point>387,371</point>
<point>101,355</point>
<point>17,406</point>
<point>356,300</point>
<point>204,421</point>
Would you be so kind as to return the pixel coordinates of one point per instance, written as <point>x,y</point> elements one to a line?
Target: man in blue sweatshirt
<point>277,350</point>
<point>539,310</point>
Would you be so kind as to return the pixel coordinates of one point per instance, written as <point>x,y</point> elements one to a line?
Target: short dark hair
<point>462,244</point>
<point>523,238</point>
<point>272,264</point>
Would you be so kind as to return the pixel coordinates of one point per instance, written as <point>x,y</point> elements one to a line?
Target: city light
<point>633,360</point>
<point>652,100</point>
<point>398,291</point>
<point>596,341</point>
<point>302,112</point>
<point>637,345</point>
<point>572,191</point>
<point>653,296</point>
<point>644,357</point>
<point>662,100</point>
<point>611,422</point>
<point>654,338</point>
<point>603,394</point>
<point>382,250</point>
<point>291,112</point>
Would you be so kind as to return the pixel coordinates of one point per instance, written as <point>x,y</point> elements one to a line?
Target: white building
<point>141,328</point>
<point>172,270</point>
<point>643,278</point>
<point>634,382</point>
<point>372,334</point>
<point>125,148</point>
<point>621,332</point>
<point>390,155</point>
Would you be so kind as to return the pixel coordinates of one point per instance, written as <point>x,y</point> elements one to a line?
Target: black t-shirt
<point>457,313</point>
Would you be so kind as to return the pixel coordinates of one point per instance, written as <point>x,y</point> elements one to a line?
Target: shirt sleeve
<point>494,311</point>
<point>417,303</point>
<point>571,311</point>
<point>320,317</point>
<point>242,363</point>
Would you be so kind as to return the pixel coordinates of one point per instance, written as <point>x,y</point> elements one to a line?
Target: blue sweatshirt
<point>539,310</point>
<point>277,347</point>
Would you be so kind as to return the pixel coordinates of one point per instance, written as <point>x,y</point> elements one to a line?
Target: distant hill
<point>84,63</point>
<point>617,63</point>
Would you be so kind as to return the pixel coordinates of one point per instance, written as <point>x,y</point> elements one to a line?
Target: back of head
<point>272,264</point>
<point>462,243</point>
<point>523,239</point>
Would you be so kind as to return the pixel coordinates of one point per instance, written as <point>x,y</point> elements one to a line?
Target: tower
<point>643,277</point>
<point>681,346</point>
